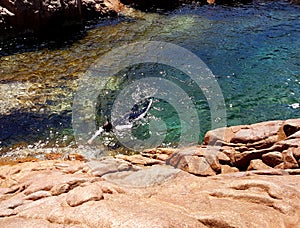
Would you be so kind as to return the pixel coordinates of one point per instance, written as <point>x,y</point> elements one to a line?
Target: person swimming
<point>107,126</point>
<point>126,122</point>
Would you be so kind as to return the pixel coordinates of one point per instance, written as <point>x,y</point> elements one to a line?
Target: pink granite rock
<point>178,199</point>
<point>80,195</point>
<point>228,169</point>
<point>272,158</point>
<point>258,164</point>
<point>288,160</point>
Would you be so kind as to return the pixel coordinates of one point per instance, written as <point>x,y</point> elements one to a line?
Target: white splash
<point>295,105</point>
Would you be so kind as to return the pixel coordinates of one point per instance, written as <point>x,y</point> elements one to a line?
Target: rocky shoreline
<point>18,17</point>
<point>57,17</point>
<point>272,145</point>
<point>78,194</point>
<point>258,176</point>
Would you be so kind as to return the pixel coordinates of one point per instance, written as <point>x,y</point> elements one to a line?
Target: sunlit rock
<point>257,164</point>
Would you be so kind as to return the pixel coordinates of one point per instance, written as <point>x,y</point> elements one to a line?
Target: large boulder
<point>258,135</point>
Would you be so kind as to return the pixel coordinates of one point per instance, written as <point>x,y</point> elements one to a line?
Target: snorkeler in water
<point>125,122</point>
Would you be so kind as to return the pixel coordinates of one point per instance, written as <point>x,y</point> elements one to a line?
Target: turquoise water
<point>253,51</point>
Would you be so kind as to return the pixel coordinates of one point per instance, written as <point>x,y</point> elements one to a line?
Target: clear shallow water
<point>252,50</point>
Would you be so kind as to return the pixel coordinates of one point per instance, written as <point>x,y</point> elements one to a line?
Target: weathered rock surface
<point>267,145</point>
<point>80,195</point>
<point>272,158</point>
<point>258,164</point>
<point>40,16</point>
<point>273,144</point>
<point>53,16</point>
<point>35,15</point>
<point>96,8</point>
<point>165,187</point>
<point>47,194</point>
<point>276,143</point>
<point>289,162</point>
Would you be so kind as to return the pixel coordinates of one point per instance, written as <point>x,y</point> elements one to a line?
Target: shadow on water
<point>23,128</point>
<point>33,42</point>
<point>54,38</point>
